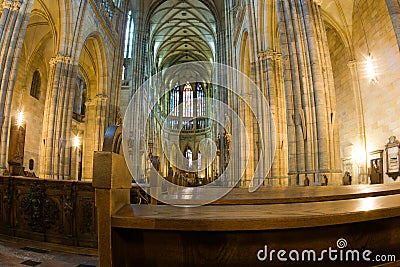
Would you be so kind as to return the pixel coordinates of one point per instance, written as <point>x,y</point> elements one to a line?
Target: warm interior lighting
<point>371,69</point>
<point>76,142</point>
<point>20,118</point>
<point>359,155</point>
<point>367,204</point>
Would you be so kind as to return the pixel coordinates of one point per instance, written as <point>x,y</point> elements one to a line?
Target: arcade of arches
<point>328,70</point>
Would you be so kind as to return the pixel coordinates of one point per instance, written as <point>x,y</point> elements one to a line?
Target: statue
<point>347,178</point>
<point>155,162</point>
<point>324,181</point>
<point>227,124</point>
<point>306,181</point>
<point>170,174</point>
<point>118,119</point>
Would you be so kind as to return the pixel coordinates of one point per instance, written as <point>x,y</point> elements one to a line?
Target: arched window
<point>129,34</point>
<point>188,100</point>
<point>35,85</point>
<point>189,156</point>
<point>174,101</point>
<point>199,164</point>
<point>201,104</point>
<point>117,3</point>
<point>80,96</point>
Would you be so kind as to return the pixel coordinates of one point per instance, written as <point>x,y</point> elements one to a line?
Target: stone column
<point>112,183</point>
<point>313,141</point>
<point>394,12</point>
<point>363,171</point>
<point>96,111</point>
<point>57,119</point>
<point>140,61</point>
<point>271,62</point>
<point>13,22</point>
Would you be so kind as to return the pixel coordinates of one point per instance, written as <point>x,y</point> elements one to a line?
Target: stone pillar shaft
<point>13,23</point>
<point>394,12</point>
<point>58,119</point>
<point>312,125</point>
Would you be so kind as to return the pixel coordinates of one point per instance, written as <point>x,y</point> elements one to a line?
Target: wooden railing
<point>53,211</point>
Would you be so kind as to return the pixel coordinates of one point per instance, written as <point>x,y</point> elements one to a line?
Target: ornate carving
<point>352,64</point>
<point>7,197</point>
<point>7,4</point>
<point>318,2</point>
<point>267,54</point>
<point>87,217</point>
<point>16,5</point>
<point>58,59</point>
<point>40,208</point>
<point>39,211</point>
<point>228,148</point>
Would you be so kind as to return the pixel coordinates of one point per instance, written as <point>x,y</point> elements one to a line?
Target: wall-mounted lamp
<point>359,155</point>
<point>370,69</point>
<point>369,64</point>
<point>20,119</point>
<point>76,142</point>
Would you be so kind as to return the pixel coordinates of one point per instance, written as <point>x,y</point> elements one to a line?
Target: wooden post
<point>112,183</point>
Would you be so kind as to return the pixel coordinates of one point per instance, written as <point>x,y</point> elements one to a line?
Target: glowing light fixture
<point>369,65</point>
<point>359,155</point>
<point>371,69</point>
<point>20,119</point>
<point>76,142</point>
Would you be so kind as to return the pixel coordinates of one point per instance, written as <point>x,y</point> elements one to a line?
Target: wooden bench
<point>232,231</point>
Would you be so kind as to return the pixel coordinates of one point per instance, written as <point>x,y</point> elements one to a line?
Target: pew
<point>243,229</point>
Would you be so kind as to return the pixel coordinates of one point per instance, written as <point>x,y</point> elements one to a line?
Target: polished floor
<point>16,252</point>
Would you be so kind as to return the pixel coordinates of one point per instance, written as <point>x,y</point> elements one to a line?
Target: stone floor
<point>21,253</point>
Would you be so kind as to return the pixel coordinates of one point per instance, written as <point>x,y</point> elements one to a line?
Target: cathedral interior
<point>210,126</point>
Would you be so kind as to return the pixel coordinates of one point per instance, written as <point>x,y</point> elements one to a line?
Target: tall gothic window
<point>130,27</point>
<point>199,164</point>
<point>190,107</point>
<point>188,100</point>
<point>35,86</point>
<point>80,97</point>
<point>174,100</point>
<point>189,156</point>
<point>201,104</point>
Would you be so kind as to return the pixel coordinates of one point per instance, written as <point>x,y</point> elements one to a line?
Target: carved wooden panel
<point>48,210</point>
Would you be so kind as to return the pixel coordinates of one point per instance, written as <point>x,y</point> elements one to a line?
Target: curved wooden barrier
<point>243,229</point>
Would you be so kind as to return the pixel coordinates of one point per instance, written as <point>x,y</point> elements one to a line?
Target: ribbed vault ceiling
<point>182,31</point>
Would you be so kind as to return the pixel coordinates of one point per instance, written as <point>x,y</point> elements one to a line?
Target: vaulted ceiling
<point>182,31</point>
<point>339,13</point>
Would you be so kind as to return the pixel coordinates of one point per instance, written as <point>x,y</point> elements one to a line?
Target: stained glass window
<point>35,86</point>
<point>189,156</point>
<point>201,105</point>
<point>188,100</point>
<point>199,164</point>
<point>174,101</point>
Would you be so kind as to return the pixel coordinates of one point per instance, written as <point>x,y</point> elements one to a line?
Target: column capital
<point>352,64</point>
<point>278,56</point>
<point>59,58</point>
<point>266,54</point>
<point>101,97</point>
<point>7,4</point>
<point>16,5</point>
<point>318,2</point>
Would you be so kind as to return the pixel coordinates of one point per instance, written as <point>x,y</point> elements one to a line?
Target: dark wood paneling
<point>239,248</point>
<point>53,211</point>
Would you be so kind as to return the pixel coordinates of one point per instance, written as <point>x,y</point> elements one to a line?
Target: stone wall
<point>56,37</point>
<point>345,100</point>
<point>380,99</point>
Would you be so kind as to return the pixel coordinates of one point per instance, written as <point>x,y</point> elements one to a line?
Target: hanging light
<point>76,142</point>
<point>369,64</point>
<point>370,68</point>
<point>20,119</point>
